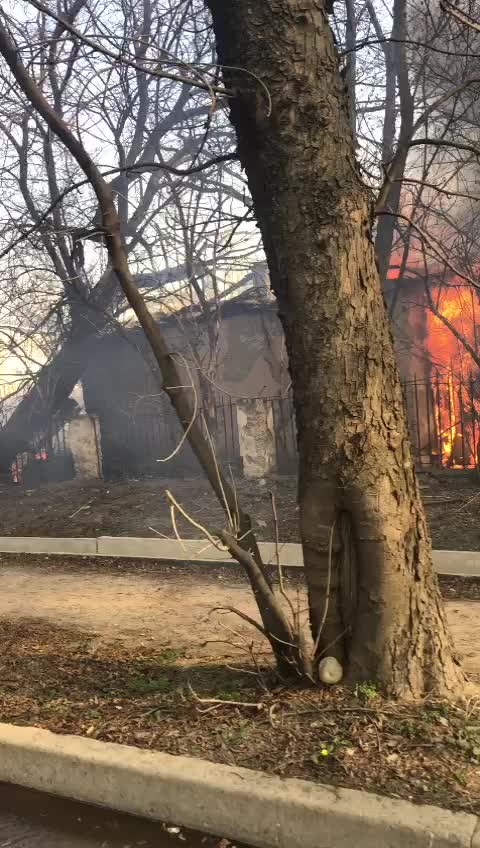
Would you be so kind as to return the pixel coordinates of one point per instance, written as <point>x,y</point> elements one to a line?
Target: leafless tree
<point>155,140</point>
<point>416,88</point>
<point>374,602</point>
<point>112,225</point>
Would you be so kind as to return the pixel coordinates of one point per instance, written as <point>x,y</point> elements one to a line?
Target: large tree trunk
<point>366,547</point>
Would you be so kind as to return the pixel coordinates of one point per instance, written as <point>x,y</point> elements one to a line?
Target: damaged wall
<point>83,441</point>
<point>256,436</point>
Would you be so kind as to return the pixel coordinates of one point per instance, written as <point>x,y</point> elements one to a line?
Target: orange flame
<point>454,415</point>
<point>453,367</point>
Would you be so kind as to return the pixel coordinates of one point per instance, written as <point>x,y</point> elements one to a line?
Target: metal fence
<point>443,415</point>
<point>444,419</point>
<point>149,442</point>
<point>48,459</point>
<point>285,435</point>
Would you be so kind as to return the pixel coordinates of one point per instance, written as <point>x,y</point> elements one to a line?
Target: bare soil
<point>122,651</point>
<point>139,508</point>
<point>137,605</point>
<point>140,602</point>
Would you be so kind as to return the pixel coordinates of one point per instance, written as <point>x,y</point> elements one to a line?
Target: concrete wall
<point>252,358</point>
<point>83,440</point>
<point>257,437</point>
<point>249,361</point>
<point>122,387</point>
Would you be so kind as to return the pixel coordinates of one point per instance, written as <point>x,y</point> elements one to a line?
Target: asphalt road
<point>32,820</point>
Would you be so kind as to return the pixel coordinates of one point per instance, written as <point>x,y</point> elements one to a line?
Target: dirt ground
<point>122,651</point>
<point>167,607</point>
<point>174,607</point>
<point>139,508</point>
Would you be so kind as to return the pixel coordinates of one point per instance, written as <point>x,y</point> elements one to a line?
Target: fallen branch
<point>467,503</point>
<point>218,702</point>
<point>80,508</point>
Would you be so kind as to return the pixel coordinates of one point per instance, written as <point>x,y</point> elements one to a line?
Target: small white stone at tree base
<point>330,671</point>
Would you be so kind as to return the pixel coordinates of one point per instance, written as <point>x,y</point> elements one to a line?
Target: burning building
<point>435,318</point>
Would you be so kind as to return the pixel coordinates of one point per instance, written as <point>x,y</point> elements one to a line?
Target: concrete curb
<point>45,545</point>
<point>461,563</point>
<point>238,803</point>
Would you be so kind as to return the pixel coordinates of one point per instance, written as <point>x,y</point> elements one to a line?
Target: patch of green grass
<point>467,739</point>
<point>168,656</point>
<point>436,714</point>
<point>220,682</point>
<point>230,695</point>
<point>366,691</point>
<point>411,729</point>
<point>328,747</point>
<point>238,734</point>
<point>141,685</point>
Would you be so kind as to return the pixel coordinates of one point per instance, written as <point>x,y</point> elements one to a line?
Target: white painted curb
<point>461,563</point>
<point>238,803</point>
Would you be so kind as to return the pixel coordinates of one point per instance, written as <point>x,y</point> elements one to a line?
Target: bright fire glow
<point>453,408</point>
<point>453,372</point>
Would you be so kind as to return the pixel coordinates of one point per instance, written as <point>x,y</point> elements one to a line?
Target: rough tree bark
<point>366,547</point>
